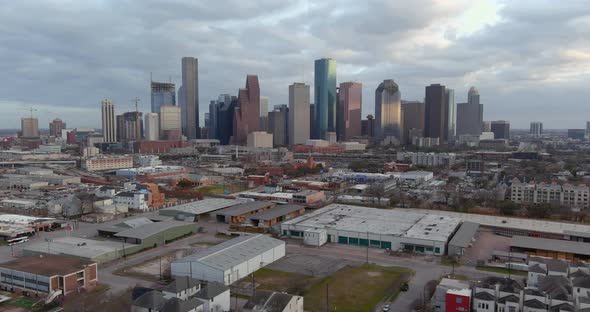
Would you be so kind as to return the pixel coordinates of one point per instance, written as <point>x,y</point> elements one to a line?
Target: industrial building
<point>86,249</point>
<point>231,260</point>
<point>48,275</point>
<point>237,214</point>
<point>553,248</point>
<point>192,210</point>
<point>462,239</point>
<point>149,233</point>
<point>280,213</point>
<point>388,229</point>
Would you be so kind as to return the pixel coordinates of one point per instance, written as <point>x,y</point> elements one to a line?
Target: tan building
<point>107,163</point>
<point>259,139</point>
<point>29,127</point>
<point>573,196</point>
<point>170,118</point>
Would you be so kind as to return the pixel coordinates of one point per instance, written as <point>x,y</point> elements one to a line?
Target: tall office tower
<point>247,113</point>
<point>132,126</point>
<point>222,99</point>
<point>109,123</point>
<point>190,84</point>
<point>163,93</point>
<point>298,124</point>
<point>263,113</point>
<point>368,127</point>
<point>312,120</point>
<point>435,113</point>
<point>278,121</point>
<point>120,128</point>
<point>29,127</point>
<point>170,122</point>
<point>211,119</point>
<point>536,129</point>
<point>325,97</point>
<point>451,113</point>
<point>152,126</point>
<point>501,129</point>
<point>470,115</point>
<point>587,127</point>
<point>56,126</point>
<point>225,120</point>
<point>413,119</point>
<point>348,119</point>
<point>388,111</point>
<point>182,105</point>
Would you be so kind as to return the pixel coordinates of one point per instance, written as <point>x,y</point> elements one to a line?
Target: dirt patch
<point>151,269</point>
<point>374,274</point>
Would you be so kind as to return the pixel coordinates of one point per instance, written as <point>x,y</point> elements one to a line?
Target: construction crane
<point>137,119</point>
<point>30,109</point>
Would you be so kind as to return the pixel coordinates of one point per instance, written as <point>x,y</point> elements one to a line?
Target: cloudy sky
<point>529,59</point>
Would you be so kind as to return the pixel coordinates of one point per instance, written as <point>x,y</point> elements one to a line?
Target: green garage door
<point>386,245</point>
<point>342,240</point>
<point>353,241</point>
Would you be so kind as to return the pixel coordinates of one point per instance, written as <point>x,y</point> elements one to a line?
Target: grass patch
<point>501,270</point>
<point>211,189</point>
<point>356,288</point>
<point>292,283</point>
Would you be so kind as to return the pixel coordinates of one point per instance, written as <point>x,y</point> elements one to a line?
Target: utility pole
<point>327,299</point>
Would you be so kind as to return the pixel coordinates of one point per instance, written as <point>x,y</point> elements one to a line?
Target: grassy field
<point>356,288</point>
<point>501,270</point>
<point>211,189</point>
<point>353,288</point>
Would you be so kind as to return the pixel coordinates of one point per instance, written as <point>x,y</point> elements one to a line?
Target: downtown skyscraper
<point>470,115</point>
<point>388,112</point>
<point>350,102</point>
<point>298,113</point>
<point>163,93</point>
<point>56,126</point>
<point>109,123</point>
<point>435,113</point>
<point>190,95</point>
<point>325,97</point>
<point>247,112</point>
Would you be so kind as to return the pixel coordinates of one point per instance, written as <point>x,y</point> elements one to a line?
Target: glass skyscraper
<point>325,97</point>
<point>163,93</point>
<point>388,111</point>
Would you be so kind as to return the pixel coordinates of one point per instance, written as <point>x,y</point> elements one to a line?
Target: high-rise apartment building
<point>152,127</point>
<point>298,124</point>
<point>501,129</point>
<point>29,127</point>
<point>470,115</point>
<point>368,127</point>
<point>109,123</point>
<point>163,93</point>
<point>263,113</point>
<point>278,121</point>
<point>56,126</point>
<point>413,119</point>
<point>325,97</point>
<point>435,113</point>
<point>190,88</point>
<point>388,111</point>
<point>451,113</point>
<point>247,113</point>
<point>536,129</point>
<point>348,117</point>
<point>170,120</point>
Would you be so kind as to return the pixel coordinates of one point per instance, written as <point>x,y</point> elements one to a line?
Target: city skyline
<point>474,45</point>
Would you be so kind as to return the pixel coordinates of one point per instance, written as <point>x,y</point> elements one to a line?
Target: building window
<point>458,300</point>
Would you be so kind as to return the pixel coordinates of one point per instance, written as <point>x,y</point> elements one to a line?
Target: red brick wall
<point>54,283</point>
<point>71,283</point>
<point>91,272</point>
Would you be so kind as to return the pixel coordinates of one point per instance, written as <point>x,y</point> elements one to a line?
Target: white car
<point>385,307</point>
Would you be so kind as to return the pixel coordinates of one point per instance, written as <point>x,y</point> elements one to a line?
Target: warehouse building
<point>193,210</point>
<point>463,238</point>
<point>552,248</point>
<point>280,213</point>
<point>388,229</point>
<point>145,232</point>
<point>231,260</point>
<point>48,275</point>
<point>86,249</point>
<point>237,214</point>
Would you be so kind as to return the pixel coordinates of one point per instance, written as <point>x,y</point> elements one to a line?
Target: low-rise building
<point>259,139</point>
<point>574,196</point>
<point>104,163</point>
<point>428,159</point>
<point>271,301</point>
<point>133,200</point>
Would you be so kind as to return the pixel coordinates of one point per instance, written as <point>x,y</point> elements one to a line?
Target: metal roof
<point>464,235</point>
<point>77,247</point>
<point>579,248</point>
<point>235,251</point>
<point>278,211</point>
<point>150,229</point>
<point>244,208</point>
<point>203,206</point>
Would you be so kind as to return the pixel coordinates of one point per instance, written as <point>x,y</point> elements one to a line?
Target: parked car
<point>385,307</point>
<point>405,286</point>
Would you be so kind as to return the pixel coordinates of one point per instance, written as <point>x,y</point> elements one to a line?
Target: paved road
<point>426,268</point>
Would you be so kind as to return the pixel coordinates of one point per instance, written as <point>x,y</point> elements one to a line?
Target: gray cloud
<point>64,57</point>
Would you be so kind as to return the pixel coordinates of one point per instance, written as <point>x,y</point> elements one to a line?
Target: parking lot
<point>486,242</point>
<point>316,266</point>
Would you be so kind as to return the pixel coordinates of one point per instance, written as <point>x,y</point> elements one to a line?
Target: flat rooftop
<point>244,208</point>
<point>235,251</point>
<point>150,229</point>
<point>278,211</point>
<point>47,265</point>
<point>77,247</point>
<point>531,225</point>
<point>580,248</point>
<point>379,221</point>
<point>204,206</point>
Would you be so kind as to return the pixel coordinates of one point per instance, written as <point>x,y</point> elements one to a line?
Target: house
<point>215,296</point>
<point>439,299</point>
<point>270,301</point>
<point>133,200</point>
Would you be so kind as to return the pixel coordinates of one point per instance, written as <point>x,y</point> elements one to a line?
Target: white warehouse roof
<point>233,252</point>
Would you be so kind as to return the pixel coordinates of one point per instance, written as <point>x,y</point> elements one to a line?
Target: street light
<point>48,240</point>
